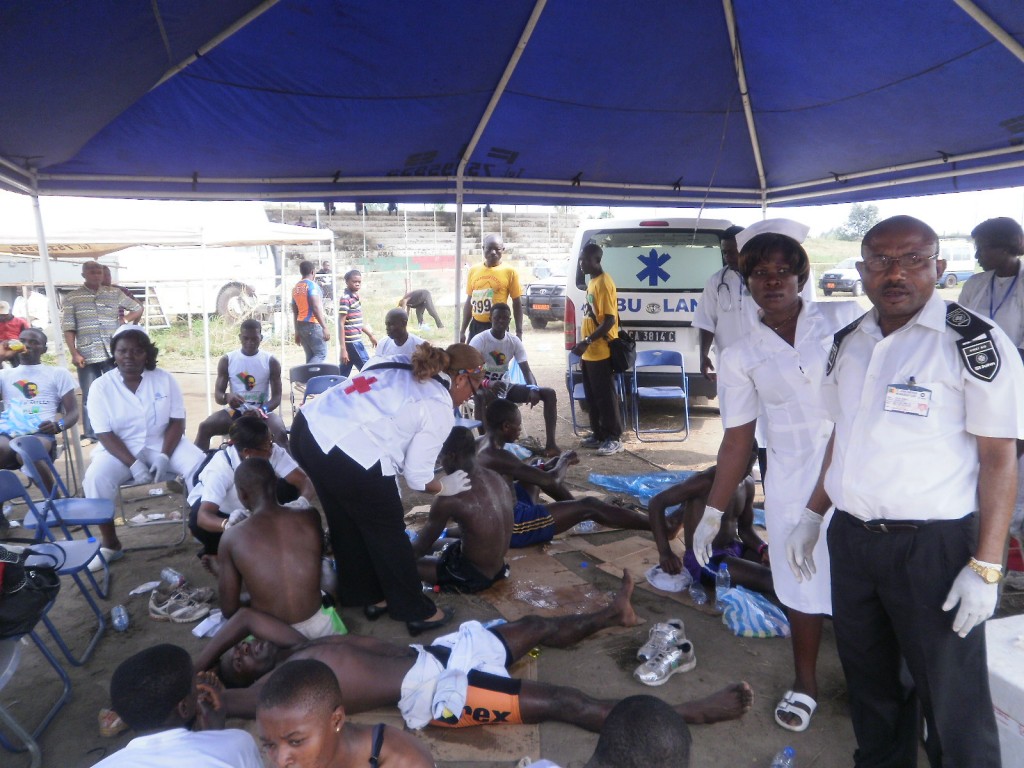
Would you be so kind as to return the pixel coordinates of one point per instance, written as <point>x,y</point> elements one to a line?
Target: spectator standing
<point>399,340</point>
<point>421,301</point>
<point>89,319</point>
<point>600,323</point>
<point>913,386</point>
<point>488,284</point>
<point>350,325</point>
<point>311,329</point>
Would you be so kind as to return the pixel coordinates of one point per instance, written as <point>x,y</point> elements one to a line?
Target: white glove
<point>140,472</point>
<point>977,600</point>
<point>159,466</point>
<point>236,517</point>
<point>300,503</point>
<point>456,482</point>
<point>704,536</point>
<point>800,545</point>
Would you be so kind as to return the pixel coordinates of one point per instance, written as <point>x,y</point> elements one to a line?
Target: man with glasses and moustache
<point>922,470</point>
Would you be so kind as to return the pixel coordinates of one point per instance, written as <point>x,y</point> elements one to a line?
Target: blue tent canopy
<point>671,102</point>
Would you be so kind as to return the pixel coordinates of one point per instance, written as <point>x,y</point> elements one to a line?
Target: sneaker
<point>663,635</point>
<point>658,670</point>
<point>590,442</point>
<point>187,591</point>
<point>609,447</point>
<point>177,608</point>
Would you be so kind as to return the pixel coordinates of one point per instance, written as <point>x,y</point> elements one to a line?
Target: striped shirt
<point>350,315</point>
<point>93,316</point>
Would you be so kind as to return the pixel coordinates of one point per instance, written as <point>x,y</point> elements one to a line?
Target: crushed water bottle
<point>697,593</point>
<point>723,582</point>
<point>119,618</point>
<point>786,758</point>
<point>586,526</point>
<point>172,578</point>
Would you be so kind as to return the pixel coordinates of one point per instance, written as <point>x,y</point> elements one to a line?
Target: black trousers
<point>887,595</point>
<point>599,389</point>
<point>424,301</point>
<point>366,519</point>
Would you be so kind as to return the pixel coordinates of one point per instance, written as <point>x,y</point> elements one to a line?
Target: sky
<point>953,214</point>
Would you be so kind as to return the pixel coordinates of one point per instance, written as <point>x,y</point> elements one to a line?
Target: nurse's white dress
<point>762,374</point>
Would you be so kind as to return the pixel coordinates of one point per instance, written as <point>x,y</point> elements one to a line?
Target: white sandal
<point>799,704</point>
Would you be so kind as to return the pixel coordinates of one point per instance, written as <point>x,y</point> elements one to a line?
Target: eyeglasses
<point>908,261</point>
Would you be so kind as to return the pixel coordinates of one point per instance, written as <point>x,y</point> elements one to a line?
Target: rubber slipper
<point>799,704</point>
<point>110,555</point>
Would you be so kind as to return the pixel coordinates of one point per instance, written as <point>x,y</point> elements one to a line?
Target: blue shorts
<point>706,574</point>
<point>533,523</point>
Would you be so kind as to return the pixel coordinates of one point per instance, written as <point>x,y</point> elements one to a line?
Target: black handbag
<point>26,589</point>
<point>623,350</point>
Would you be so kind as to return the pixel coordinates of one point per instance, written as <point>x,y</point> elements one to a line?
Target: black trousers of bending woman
<point>364,513</point>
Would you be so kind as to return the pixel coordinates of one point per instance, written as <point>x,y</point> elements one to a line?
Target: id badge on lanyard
<point>908,398</point>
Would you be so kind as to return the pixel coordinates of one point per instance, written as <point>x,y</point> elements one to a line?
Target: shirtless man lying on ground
<point>373,673</point>
<point>737,543</point>
<point>277,553</point>
<point>538,523</point>
<point>475,560</point>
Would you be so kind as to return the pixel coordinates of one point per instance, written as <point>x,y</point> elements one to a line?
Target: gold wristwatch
<point>990,574</point>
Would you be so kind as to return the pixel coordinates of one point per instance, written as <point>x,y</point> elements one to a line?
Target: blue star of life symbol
<point>652,271</point>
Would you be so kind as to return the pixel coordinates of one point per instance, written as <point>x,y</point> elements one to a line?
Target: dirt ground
<point>601,666</point>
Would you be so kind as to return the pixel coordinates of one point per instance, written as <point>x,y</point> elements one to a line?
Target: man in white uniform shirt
<point>155,693</point>
<point>500,348</point>
<point>399,340</point>
<point>998,294</point>
<point>922,471</point>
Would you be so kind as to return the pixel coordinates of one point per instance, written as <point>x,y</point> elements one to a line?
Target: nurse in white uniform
<point>354,440</point>
<point>776,371</point>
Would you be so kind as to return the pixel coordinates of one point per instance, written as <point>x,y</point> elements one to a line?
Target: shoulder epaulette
<point>837,339</point>
<point>977,348</point>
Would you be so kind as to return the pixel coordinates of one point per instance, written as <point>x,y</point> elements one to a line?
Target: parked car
<point>544,300</point>
<point>842,277</point>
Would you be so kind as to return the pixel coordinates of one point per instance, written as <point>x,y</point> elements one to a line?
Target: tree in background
<point>861,219</point>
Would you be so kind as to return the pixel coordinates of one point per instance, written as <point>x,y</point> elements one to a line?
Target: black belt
<point>891,526</point>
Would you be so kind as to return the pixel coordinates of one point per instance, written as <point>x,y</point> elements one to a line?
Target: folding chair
<point>660,358</point>
<point>576,392</point>
<point>58,503</point>
<point>75,555</point>
<point>320,384</point>
<point>301,374</point>
<point>10,659</point>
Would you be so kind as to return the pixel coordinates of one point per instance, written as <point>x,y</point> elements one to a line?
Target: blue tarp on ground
<point>610,102</point>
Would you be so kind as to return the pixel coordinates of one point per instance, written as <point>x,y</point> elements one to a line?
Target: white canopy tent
<point>90,228</point>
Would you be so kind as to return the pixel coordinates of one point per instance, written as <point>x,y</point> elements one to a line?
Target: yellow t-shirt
<point>602,300</point>
<point>487,286</point>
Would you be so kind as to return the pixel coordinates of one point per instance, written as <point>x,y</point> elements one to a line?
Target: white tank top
<point>249,377</point>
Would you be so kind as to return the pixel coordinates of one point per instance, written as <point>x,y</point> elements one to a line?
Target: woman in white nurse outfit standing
<point>777,371</point>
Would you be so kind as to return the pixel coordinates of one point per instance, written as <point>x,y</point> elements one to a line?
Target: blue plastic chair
<point>661,358</point>
<point>320,384</point>
<point>10,659</point>
<point>74,557</point>
<point>576,392</point>
<point>301,374</point>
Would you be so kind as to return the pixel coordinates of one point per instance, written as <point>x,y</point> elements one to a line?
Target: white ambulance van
<point>659,267</point>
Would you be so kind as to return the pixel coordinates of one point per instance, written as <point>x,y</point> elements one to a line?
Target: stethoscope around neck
<point>726,302</point>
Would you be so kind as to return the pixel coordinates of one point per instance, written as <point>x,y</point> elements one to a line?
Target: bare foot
<point>727,704</point>
<point>621,605</point>
<point>210,563</point>
<point>552,452</point>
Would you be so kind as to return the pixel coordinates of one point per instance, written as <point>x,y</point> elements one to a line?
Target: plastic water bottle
<point>493,623</point>
<point>172,578</point>
<point>723,582</point>
<point>586,526</point>
<point>785,759</point>
<point>119,618</point>
<point>697,593</point>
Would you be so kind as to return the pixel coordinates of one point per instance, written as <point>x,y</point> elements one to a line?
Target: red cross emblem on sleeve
<point>360,385</point>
